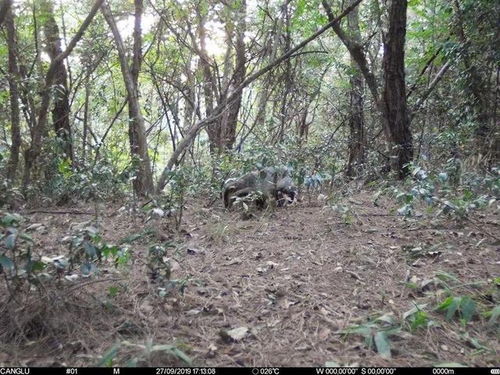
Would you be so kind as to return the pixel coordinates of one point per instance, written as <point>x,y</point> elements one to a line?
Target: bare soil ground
<point>292,280</point>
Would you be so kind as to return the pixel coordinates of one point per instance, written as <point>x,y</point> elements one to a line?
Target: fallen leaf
<point>324,333</point>
<point>234,335</point>
<point>233,262</point>
<point>36,226</point>
<point>212,349</point>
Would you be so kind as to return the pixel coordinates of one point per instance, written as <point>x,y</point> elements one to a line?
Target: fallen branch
<point>59,212</point>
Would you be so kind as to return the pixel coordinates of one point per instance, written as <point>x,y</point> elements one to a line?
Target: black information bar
<point>247,370</point>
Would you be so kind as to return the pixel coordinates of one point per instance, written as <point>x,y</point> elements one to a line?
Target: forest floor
<point>283,288</point>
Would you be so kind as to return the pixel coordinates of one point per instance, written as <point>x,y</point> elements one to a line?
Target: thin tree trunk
<point>265,89</point>
<point>190,97</point>
<point>13,78</point>
<point>31,155</point>
<point>228,131</point>
<point>357,137</point>
<point>394,94</point>
<point>143,184</point>
<point>287,76</point>
<point>475,87</point>
<point>86,118</point>
<point>213,129</point>
<point>61,110</point>
<point>357,53</point>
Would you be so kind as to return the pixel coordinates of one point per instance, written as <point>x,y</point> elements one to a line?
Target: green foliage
<point>464,306</point>
<point>159,263</point>
<point>18,262</point>
<point>87,248</point>
<point>448,191</point>
<point>131,354</point>
<point>316,180</point>
<point>417,318</point>
<point>377,333</point>
<point>21,265</point>
<point>493,315</point>
<point>10,195</point>
<point>99,181</point>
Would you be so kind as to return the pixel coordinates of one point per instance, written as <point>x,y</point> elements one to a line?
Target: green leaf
<point>107,358</point>
<point>420,319</point>
<point>10,241</point>
<point>444,305</point>
<point>361,330</point>
<point>10,219</point>
<point>413,310</point>
<point>113,291</point>
<point>387,318</point>
<point>444,276</point>
<point>467,308</point>
<point>64,168</point>
<point>87,268</point>
<point>90,249</point>
<point>35,266</point>
<point>495,313</point>
<point>382,344</point>
<point>443,176</point>
<point>108,250</point>
<point>6,262</point>
<point>453,307</point>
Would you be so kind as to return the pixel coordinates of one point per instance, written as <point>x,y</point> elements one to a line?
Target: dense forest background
<point>133,114</point>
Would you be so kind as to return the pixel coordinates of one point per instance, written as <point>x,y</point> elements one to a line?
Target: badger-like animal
<point>269,184</point>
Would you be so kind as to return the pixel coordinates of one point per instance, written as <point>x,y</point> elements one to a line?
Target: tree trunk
<point>86,117</point>
<point>213,129</point>
<point>266,87</point>
<point>484,132</point>
<point>287,75</point>
<point>61,110</point>
<point>190,97</point>
<point>38,130</point>
<point>13,78</point>
<point>357,137</point>
<point>4,10</point>
<point>228,131</point>
<point>358,54</point>
<point>394,94</point>
<point>143,184</point>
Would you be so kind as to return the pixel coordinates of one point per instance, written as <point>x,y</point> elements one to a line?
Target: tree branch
<point>431,87</point>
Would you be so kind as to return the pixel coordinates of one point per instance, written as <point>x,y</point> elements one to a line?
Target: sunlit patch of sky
<point>215,43</point>
<point>216,37</point>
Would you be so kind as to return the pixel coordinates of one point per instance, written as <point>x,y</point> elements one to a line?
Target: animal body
<point>268,184</point>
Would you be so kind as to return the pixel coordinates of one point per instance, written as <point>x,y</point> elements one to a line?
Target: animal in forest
<point>286,191</point>
<point>267,184</point>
